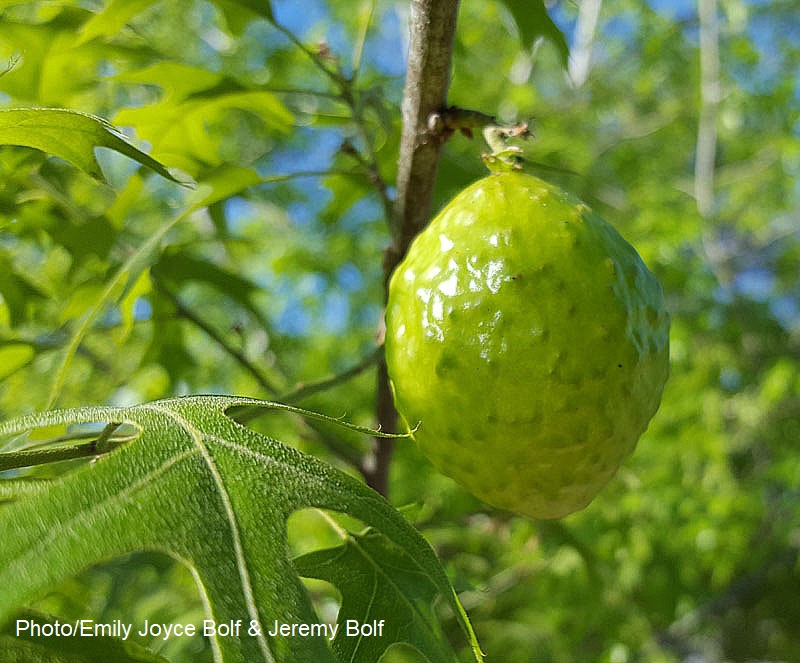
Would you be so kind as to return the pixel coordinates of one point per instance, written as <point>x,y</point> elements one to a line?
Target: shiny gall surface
<point>531,342</point>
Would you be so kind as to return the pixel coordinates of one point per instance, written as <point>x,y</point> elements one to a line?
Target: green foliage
<point>267,277</point>
<point>533,22</point>
<point>44,649</point>
<point>216,495</point>
<point>69,135</point>
<point>378,579</point>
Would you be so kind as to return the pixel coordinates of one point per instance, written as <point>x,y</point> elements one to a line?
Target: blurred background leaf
<point>691,553</point>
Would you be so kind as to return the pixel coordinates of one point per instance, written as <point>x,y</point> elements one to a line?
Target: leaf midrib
<point>241,562</point>
<point>347,538</point>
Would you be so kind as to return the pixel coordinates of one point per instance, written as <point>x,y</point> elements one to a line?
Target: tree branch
<point>302,391</point>
<point>350,96</point>
<point>184,311</point>
<point>432,28</point>
<point>306,389</point>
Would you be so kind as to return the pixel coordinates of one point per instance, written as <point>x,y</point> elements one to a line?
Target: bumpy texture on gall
<point>531,342</point>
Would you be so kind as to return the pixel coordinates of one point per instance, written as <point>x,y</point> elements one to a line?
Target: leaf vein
<point>241,563</point>
<point>64,526</point>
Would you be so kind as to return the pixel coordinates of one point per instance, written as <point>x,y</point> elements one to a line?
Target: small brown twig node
<point>443,124</point>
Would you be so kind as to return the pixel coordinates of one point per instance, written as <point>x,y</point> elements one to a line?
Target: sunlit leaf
<point>181,131</point>
<point>13,357</point>
<point>238,13</point>
<point>180,267</point>
<point>216,495</point>
<point>224,182</point>
<point>177,79</point>
<point>112,18</point>
<point>31,648</point>
<point>70,135</point>
<point>533,21</point>
<point>377,578</point>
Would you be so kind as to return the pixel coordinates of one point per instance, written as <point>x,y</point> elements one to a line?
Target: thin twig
<point>270,179</point>
<point>184,311</point>
<point>370,166</point>
<point>432,24</point>
<point>349,95</point>
<point>304,390</point>
<point>335,445</point>
<point>105,440</point>
<point>315,57</point>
